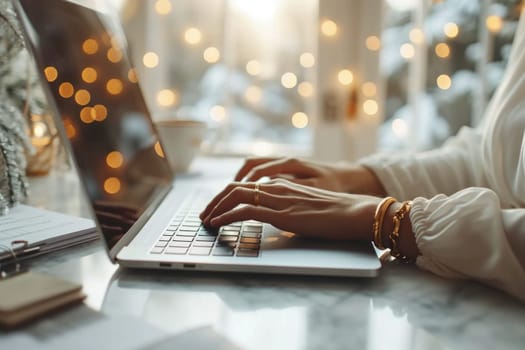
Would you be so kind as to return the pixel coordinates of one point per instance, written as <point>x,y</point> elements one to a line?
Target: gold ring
<point>256,195</point>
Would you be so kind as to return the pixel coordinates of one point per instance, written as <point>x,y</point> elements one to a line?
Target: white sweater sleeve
<point>468,214</point>
<point>452,167</point>
<point>468,235</point>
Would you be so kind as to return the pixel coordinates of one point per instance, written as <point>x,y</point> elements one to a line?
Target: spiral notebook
<point>27,231</point>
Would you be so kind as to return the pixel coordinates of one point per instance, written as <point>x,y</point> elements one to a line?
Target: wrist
<point>357,179</point>
<point>393,229</point>
<point>406,242</point>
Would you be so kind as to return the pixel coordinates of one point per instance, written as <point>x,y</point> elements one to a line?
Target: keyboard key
<point>180,244</point>
<point>223,251</point>
<point>183,238</point>
<point>227,244</point>
<point>200,251</point>
<point>176,250</point>
<point>248,246</point>
<point>248,253</point>
<point>228,238</point>
<point>230,228</point>
<point>208,231</point>
<point>157,250</point>
<point>188,229</point>
<point>252,228</point>
<point>165,238</point>
<point>202,244</point>
<point>161,244</point>
<point>251,235</point>
<point>206,238</point>
<point>250,240</point>
<point>186,234</point>
<point>229,233</point>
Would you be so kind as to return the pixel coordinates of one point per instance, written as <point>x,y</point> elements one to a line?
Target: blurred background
<point>331,79</point>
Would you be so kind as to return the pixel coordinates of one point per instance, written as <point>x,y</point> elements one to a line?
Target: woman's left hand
<point>292,207</point>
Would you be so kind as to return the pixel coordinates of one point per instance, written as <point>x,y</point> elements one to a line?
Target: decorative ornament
<point>16,83</point>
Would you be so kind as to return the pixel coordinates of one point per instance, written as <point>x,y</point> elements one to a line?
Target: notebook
<point>26,232</point>
<point>146,217</point>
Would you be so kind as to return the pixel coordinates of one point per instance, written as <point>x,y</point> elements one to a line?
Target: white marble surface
<point>403,308</point>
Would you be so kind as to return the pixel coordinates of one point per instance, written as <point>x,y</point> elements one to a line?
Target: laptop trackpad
<point>291,249</point>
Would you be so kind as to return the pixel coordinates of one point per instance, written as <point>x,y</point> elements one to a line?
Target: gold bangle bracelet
<point>379,216</point>
<point>394,236</point>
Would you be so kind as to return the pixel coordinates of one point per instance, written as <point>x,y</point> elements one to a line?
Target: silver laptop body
<point>145,218</point>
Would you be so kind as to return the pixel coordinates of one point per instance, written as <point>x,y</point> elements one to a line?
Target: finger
<point>249,163</point>
<point>242,195</point>
<point>302,182</point>
<point>295,188</point>
<point>290,166</point>
<point>221,194</point>
<point>248,212</point>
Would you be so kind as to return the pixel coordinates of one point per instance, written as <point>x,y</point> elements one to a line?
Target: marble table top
<point>403,308</point>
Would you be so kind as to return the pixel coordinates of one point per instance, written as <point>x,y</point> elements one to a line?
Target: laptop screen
<point>82,56</point>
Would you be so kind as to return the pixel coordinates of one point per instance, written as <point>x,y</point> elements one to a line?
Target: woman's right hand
<point>351,178</point>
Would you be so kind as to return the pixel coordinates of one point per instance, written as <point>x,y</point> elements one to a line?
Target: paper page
<point>36,225</point>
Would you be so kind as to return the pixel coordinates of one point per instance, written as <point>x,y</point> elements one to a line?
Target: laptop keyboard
<point>186,235</point>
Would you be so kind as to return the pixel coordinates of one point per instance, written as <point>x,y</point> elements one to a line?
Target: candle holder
<point>44,140</point>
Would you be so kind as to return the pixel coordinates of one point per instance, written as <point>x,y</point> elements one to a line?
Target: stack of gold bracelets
<point>393,237</point>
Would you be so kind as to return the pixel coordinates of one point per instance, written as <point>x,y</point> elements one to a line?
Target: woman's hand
<point>351,178</point>
<point>295,208</point>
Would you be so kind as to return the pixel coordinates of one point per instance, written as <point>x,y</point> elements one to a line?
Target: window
<point>442,60</point>
<point>246,67</point>
<point>335,79</point>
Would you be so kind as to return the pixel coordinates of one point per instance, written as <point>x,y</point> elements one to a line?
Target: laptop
<point>146,217</point>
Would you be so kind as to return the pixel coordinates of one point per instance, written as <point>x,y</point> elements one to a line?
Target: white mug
<point>181,140</point>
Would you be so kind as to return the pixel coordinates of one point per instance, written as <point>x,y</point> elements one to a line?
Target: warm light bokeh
<point>89,75</point>
<point>51,73</point>
<point>66,90</point>
<point>373,43</point>
<point>494,23</point>
<point>150,59</point>
<point>451,30</point>
<point>407,51</point>
<point>112,185</point>
<point>307,60</point>
<point>253,67</point>
<point>114,159</point>
<point>193,36</point>
<point>114,55</point>
<point>289,80</point>
<point>345,77</point>
<point>442,50</point>
<point>163,7</point>
<point>328,27</point>
<point>211,55</point>
<point>300,120</point>
<point>90,47</point>
<point>82,97</point>
<point>114,86</point>
<point>218,113</point>
<point>306,89</point>
<point>166,98</point>
<point>444,82</point>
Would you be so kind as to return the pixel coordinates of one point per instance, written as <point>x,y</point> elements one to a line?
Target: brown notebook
<point>30,295</point>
